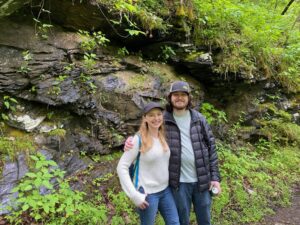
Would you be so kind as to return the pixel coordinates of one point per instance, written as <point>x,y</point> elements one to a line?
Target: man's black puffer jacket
<point>204,147</point>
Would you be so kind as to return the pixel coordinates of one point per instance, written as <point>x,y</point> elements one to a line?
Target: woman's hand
<point>144,205</point>
<point>128,144</point>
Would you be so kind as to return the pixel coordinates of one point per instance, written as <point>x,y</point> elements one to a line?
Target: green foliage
<point>87,83</point>
<point>90,41</point>
<point>27,57</point>
<point>12,146</point>
<point>286,133</point>
<point>8,104</point>
<point>251,38</point>
<point>69,67</point>
<point>212,115</point>
<point>276,125</point>
<point>59,205</point>
<point>252,179</point>
<point>166,53</point>
<point>54,90</point>
<point>122,52</point>
<point>42,29</point>
<point>123,209</point>
<point>254,38</point>
<point>143,11</point>
<point>89,60</point>
<point>290,66</point>
<point>61,78</point>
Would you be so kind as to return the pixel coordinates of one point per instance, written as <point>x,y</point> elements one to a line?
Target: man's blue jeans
<point>162,201</point>
<point>184,197</point>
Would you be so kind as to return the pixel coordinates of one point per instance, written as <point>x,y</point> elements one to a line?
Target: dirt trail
<point>286,216</point>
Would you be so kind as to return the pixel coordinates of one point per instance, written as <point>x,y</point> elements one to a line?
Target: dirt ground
<point>286,216</point>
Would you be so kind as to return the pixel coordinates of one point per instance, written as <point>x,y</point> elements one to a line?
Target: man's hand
<point>217,185</point>
<point>128,144</point>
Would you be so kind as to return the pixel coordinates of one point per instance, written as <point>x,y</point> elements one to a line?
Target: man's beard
<point>179,107</point>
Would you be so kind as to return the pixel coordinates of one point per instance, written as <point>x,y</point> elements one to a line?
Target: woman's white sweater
<point>153,170</point>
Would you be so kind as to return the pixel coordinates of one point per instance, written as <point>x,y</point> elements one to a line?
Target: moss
<point>286,133</point>
<point>58,132</point>
<point>9,131</point>
<point>11,146</point>
<point>11,6</point>
<point>274,111</point>
<point>138,81</point>
<point>193,56</point>
<point>118,138</point>
<point>246,129</point>
<point>111,157</point>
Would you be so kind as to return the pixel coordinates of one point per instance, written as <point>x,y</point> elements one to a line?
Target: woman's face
<point>154,118</point>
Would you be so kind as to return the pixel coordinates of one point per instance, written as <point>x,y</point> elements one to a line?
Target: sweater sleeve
<point>126,160</point>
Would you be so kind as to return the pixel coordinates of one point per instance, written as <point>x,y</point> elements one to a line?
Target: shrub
<point>44,196</point>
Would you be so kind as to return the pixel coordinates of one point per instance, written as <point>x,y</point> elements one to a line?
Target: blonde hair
<point>146,137</point>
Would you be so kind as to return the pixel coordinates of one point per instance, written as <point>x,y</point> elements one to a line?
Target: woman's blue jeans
<point>187,194</point>
<point>163,202</point>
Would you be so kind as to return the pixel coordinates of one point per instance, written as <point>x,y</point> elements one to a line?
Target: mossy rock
<point>8,7</point>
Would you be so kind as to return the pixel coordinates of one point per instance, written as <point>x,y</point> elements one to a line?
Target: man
<point>193,166</point>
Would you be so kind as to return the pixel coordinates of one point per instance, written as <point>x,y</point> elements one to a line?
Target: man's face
<point>179,100</point>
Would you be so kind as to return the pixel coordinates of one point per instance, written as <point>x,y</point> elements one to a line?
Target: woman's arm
<point>126,160</point>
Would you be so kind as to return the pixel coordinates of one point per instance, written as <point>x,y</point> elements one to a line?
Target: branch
<point>287,7</point>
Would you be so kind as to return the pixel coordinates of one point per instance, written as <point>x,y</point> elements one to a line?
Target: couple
<point>177,170</point>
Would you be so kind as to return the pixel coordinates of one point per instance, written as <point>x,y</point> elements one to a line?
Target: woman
<point>153,193</point>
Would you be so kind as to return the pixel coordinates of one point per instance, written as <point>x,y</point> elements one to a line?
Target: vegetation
<point>254,179</point>
<point>11,146</point>
<point>8,104</point>
<point>212,115</point>
<point>249,38</point>
<point>258,174</point>
<point>253,39</point>
<point>27,57</point>
<point>44,196</point>
<point>91,41</point>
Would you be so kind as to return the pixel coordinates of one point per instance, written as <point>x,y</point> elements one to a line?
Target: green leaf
<point>7,105</point>
<point>46,208</point>
<point>15,189</point>
<point>13,100</point>
<point>47,184</point>
<point>4,116</point>
<point>135,32</point>
<point>34,158</point>
<point>115,22</point>
<point>39,164</point>
<point>31,175</point>
<point>28,188</point>
<point>52,163</point>
<point>37,217</point>
<point>36,20</point>
<point>25,207</point>
<point>38,182</point>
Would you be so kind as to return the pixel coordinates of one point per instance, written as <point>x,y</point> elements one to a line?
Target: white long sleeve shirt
<point>153,170</point>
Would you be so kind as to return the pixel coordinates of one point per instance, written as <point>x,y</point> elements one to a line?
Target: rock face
<point>69,107</point>
<point>12,172</point>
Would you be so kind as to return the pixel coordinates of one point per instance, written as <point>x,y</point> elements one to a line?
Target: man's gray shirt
<point>188,168</point>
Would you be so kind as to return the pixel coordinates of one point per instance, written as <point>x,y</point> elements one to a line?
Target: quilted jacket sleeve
<point>213,156</point>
